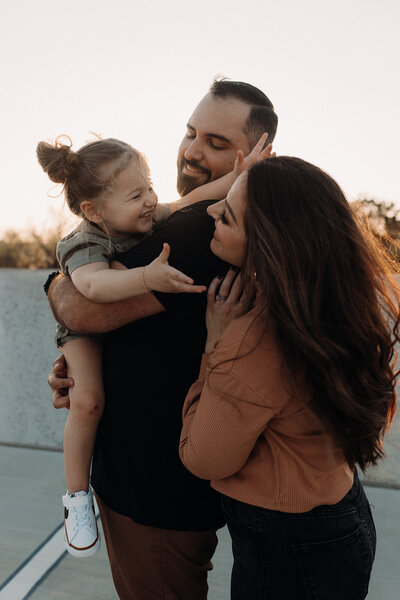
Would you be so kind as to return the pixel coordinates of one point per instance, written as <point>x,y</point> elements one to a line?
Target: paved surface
<point>31,484</point>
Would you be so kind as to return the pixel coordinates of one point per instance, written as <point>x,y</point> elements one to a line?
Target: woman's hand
<point>59,382</point>
<point>223,305</point>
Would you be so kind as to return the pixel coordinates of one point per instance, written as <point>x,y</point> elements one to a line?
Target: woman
<point>296,385</point>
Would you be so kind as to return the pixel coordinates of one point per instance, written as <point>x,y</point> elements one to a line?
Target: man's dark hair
<point>262,116</point>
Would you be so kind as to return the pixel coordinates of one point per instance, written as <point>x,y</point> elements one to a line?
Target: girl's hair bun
<point>58,160</point>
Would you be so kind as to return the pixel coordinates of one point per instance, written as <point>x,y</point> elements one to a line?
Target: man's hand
<point>60,383</point>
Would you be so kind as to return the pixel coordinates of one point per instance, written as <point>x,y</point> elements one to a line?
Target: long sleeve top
<point>251,432</point>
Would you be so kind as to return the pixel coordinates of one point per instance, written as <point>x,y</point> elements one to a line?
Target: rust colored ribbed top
<point>252,434</point>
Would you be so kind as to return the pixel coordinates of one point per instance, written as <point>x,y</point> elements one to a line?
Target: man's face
<point>214,135</point>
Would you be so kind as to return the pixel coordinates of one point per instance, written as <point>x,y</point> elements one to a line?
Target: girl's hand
<point>223,305</point>
<point>245,162</point>
<point>159,276</point>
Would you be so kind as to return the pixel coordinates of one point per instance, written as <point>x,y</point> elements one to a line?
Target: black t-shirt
<point>149,366</point>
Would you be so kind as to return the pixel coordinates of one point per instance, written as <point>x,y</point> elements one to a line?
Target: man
<point>159,520</point>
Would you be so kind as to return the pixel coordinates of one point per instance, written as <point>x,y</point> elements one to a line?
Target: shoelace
<point>82,516</point>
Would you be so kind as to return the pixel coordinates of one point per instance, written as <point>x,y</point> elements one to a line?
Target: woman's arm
<point>223,416</point>
<point>222,421</point>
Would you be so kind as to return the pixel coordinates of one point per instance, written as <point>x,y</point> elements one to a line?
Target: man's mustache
<point>194,164</point>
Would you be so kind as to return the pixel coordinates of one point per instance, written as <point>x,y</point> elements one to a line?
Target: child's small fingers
<point>164,254</point>
<point>179,277</point>
<point>240,156</point>
<point>186,279</point>
<point>190,289</point>
<point>199,289</point>
<point>261,142</point>
<point>267,151</point>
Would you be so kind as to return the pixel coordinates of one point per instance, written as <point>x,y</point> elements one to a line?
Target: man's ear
<point>91,211</point>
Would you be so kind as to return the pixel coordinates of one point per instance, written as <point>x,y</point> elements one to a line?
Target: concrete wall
<point>26,354</point>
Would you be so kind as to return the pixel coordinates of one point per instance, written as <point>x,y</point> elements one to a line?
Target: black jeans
<point>324,554</point>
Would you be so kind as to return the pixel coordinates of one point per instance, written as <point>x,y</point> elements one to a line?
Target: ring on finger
<point>219,298</point>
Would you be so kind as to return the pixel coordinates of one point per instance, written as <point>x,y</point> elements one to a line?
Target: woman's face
<point>229,241</point>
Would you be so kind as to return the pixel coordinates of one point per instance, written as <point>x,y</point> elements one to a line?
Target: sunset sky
<point>136,71</point>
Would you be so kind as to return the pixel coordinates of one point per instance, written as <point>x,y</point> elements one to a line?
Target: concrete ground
<point>34,564</point>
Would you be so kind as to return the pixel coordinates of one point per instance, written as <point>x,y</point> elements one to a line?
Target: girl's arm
<point>218,189</point>
<point>77,313</point>
<point>98,282</point>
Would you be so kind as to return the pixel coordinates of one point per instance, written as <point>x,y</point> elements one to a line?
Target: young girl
<point>108,184</point>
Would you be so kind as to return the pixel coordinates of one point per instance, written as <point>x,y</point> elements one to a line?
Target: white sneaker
<point>81,533</point>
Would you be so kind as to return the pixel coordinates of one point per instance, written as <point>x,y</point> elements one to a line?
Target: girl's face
<point>130,206</point>
<point>229,241</point>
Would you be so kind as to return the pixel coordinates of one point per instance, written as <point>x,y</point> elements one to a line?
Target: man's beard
<point>186,183</point>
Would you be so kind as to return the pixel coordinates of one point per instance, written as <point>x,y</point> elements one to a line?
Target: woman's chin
<point>232,258</point>
<point>214,248</point>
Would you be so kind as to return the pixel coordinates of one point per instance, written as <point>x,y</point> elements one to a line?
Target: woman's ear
<point>91,211</point>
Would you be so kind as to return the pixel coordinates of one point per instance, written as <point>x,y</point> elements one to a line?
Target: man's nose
<point>194,150</point>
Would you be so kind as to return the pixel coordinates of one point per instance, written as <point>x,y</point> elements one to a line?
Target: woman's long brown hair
<point>330,292</point>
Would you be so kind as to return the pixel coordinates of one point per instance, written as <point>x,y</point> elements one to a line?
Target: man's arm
<point>79,314</point>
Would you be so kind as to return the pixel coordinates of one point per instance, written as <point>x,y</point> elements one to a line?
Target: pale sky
<point>137,70</point>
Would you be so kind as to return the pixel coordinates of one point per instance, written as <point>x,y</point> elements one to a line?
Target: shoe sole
<point>83,553</point>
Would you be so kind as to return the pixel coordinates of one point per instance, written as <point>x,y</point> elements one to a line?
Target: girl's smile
<point>130,206</point>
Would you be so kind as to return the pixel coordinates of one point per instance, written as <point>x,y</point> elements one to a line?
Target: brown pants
<point>156,564</point>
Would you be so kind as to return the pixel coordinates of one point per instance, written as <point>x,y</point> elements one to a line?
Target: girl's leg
<point>84,363</point>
